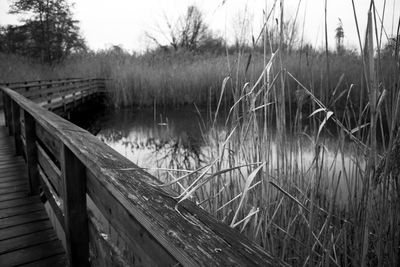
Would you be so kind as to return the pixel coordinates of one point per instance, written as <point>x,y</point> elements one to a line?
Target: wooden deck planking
<point>26,234</point>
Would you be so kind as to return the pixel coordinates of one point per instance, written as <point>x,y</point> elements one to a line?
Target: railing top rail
<point>183,230</point>
<point>17,85</point>
<point>39,81</point>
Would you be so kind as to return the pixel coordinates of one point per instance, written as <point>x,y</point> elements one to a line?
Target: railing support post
<point>75,212</point>
<point>16,122</point>
<point>3,95</point>
<point>31,153</point>
<point>7,114</point>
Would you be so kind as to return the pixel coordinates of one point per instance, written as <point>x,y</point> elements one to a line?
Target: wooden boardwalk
<point>26,234</point>
<point>107,210</point>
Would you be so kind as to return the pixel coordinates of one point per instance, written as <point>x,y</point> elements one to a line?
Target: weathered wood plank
<point>55,203</point>
<point>33,94</point>
<point>23,229</point>
<point>3,98</point>
<point>22,122</point>
<point>23,141</point>
<point>18,202</point>
<point>64,99</point>
<point>12,196</point>
<point>12,179</point>
<point>50,141</point>
<point>8,162</point>
<point>104,254</point>
<point>75,210</point>
<point>30,254</point>
<point>13,189</point>
<point>13,173</point>
<point>52,172</point>
<point>11,166</point>
<point>24,218</point>
<point>57,260</point>
<point>12,183</point>
<point>9,158</point>
<point>31,153</point>
<point>57,96</point>
<point>40,83</point>
<point>27,240</point>
<point>41,95</point>
<point>8,114</point>
<point>16,127</point>
<point>13,211</point>
<point>138,238</point>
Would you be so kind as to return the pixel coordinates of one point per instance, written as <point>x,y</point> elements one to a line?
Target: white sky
<point>124,22</point>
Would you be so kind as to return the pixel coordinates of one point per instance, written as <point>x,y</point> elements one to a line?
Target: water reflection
<point>147,137</point>
<point>173,139</point>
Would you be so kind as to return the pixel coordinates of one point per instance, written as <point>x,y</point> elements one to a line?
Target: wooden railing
<point>111,212</point>
<point>18,83</point>
<point>33,84</point>
<point>59,93</point>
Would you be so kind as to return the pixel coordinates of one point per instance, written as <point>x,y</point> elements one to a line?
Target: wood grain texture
<point>49,141</point>
<point>15,110</point>
<point>24,229</point>
<point>55,202</point>
<point>31,153</point>
<point>31,254</point>
<point>52,172</point>
<point>75,211</point>
<point>27,240</point>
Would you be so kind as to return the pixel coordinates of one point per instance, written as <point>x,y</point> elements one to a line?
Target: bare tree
<point>188,32</point>
<point>193,29</point>
<point>241,27</point>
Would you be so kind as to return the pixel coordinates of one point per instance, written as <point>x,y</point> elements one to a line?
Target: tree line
<point>48,31</point>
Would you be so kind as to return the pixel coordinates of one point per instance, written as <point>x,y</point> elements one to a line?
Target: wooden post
<point>5,108</point>
<point>63,98</point>
<point>8,114</point>
<point>16,122</point>
<point>73,98</point>
<point>75,213</point>
<point>27,88</point>
<point>31,153</point>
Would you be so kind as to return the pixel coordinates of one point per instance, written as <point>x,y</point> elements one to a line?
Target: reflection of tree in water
<point>183,152</point>
<point>173,141</point>
<point>112,136</point>
<point>172,150</point>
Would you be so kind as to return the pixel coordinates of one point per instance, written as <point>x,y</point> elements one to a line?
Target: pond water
<point>177,139</point>
<point>145,136</point>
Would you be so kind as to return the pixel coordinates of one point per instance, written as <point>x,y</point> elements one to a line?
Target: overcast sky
<point>124,22</point>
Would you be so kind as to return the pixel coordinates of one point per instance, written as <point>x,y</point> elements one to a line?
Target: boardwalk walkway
<point>26,234</point>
